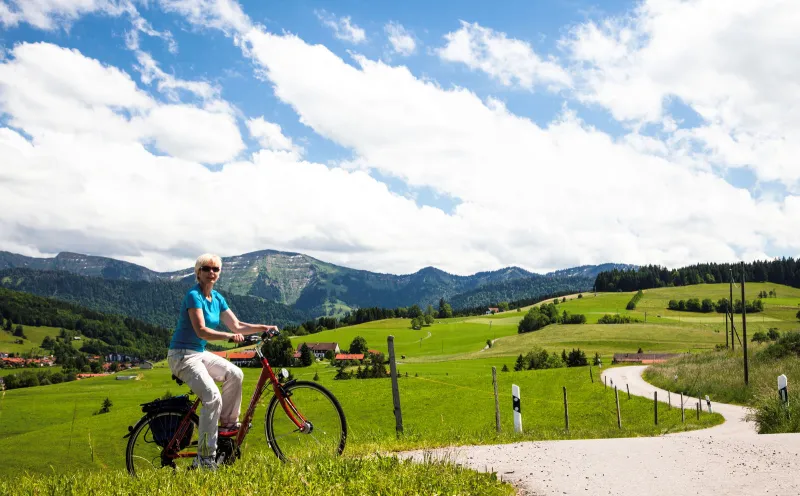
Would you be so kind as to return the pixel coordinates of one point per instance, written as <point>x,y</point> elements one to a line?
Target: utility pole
<point>730,310</point>
<point>744,332</point>
<point>727,345</point>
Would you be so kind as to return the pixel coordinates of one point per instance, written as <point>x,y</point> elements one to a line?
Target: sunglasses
<point>206,268</point>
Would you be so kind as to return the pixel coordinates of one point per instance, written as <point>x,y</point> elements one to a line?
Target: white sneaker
<point>204,462</point>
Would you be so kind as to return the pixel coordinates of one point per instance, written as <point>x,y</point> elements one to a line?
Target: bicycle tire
<point>153,454</point>
<point>328,436</point>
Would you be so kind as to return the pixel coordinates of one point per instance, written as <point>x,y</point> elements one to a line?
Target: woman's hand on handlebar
<point>272,330</point>
<point>236,338</point>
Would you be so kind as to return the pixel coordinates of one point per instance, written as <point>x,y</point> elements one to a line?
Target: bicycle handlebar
<point>265,336</point>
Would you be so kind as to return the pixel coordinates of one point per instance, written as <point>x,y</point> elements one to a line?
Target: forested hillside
<point>104,333</point>
<point>780,271</point>
<point>156,302</point>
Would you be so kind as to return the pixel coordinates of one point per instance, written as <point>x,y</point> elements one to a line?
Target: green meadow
<point>445,383</point>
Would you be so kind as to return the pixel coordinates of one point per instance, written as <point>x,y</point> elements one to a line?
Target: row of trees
<point>546,314</point>
<point>721,306</point>
<point>617,319</point>
<point>632,304</point>
<point>538,358</point>
<point>779,271</point>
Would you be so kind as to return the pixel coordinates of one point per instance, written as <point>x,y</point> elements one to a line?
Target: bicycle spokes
<point>323,429</point>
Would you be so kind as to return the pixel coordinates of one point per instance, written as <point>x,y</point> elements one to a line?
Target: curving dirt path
<point>727,459</point>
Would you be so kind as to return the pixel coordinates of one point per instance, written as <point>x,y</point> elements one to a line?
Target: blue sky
<point>567,106</point>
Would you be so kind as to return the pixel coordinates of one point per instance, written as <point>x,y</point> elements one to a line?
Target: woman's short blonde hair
<point>204,259</point>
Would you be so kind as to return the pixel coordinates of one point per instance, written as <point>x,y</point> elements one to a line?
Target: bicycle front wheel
<point>145,451</point>
<point>324,430</point>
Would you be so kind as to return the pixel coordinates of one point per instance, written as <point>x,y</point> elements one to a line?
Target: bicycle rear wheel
<point>325,431</point>
<point>145,450</point>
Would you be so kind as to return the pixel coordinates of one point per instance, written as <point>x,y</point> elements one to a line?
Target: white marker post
<point>708,402</point>
<point>783,389</point>
<point>517,411</point>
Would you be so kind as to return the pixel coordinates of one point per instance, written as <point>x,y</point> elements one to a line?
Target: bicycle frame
<point>267,375</point>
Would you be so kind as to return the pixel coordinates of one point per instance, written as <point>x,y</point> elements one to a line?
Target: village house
<point>348,356</point>
<point>242,358</point>
<point>492,310</point>
<point>319,349</point>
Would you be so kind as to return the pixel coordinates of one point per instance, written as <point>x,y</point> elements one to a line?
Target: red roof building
<point>347,356</point>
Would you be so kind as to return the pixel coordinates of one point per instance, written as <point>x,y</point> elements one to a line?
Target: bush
<point>576,358</point>
<point>505,368</point>
<point>786,345</point>
<point>617,319</point>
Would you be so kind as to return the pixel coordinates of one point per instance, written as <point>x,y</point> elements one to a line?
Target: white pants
<point>200,369</point>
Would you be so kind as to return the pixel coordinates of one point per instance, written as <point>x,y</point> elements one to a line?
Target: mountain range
<point>291,286</point>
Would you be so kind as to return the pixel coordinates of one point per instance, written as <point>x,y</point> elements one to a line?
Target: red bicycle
<point>313,425</point>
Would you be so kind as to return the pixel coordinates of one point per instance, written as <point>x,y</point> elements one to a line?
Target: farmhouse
<point>645,358</point>
<point>319,349</point>
<point>241,358</point>
<point>492,310</point>
<point>349,356</point>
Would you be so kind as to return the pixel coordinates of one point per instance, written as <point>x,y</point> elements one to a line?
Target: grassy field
<point>721,375</point>
<point>443,404</point>
<point>446,389</point>
<point>34,336</point>
<point>261,475</point>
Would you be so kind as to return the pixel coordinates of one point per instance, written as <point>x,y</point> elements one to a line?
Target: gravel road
<point>727,459</point>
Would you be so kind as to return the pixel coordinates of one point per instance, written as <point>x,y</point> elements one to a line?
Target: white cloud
<point>510,61</point>
<point>51,14</point>
<point>271,137</point>
<point>47,89</point>
<point>734,64</point>
<point>550,196</point>
<point>542,197</point>
<point>402,41</point>
<point>342,27</point>
<point>168,84</point>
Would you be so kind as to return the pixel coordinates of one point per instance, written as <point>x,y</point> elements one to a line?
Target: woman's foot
<point>228,429</point>
<point>205,463</point>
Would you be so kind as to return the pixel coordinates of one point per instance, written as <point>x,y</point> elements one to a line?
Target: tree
<point>414,312</point>
<point>798,315</point>
<point>306,357</point>
<point>505,368</point>
<point>639,351</point>
<point>358,345</point>
<point>596,358</point>
<point>48,343</point>
<point>488,343</point>
<point>580,296</point>
<point>279,351</point>
<point>316,377</point>
<point>19,331</point>
<point>773,334</point>
<point>576,358</point>
<point>428,319</point>
<point>106,407</point>
<point>429,311</point>
<point>520,364</point>
<point>759,337</point>
<point>503,306</point>
<point>416,323</point>
<point>445,310</point>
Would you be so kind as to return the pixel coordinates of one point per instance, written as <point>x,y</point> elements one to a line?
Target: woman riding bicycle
<point>201,311</point>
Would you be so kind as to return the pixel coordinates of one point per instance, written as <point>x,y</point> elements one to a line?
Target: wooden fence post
<point>496,399</point>
<point>398,415</point>
<point>669,399</point>
<point>655,406</point>
<point>591,376</point>
<point>683,413</point>
<point>698,410</point>
<point>619,417</point>
<point>566,410</point>
<point>629,390</point>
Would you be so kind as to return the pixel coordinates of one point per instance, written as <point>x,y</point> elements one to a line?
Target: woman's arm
<point>203,332</point>
<point>230,320</point>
